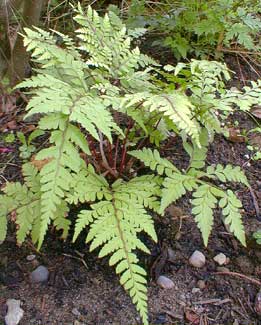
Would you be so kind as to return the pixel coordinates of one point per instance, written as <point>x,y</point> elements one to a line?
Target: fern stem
<point>104,159</point>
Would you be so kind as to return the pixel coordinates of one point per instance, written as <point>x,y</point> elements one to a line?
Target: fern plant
<point>97,98</point>
<point>206,194</point>
<point>199,28</point>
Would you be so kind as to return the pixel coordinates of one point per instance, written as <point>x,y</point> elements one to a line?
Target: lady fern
<point>96,98</point>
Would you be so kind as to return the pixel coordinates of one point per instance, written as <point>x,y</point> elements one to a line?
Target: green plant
<point>257,236</point>
<point>200,28</point>
<point>27,148</point>
<point>99,98</point>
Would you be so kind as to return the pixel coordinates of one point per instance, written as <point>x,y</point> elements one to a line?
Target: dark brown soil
<point>79,280</point>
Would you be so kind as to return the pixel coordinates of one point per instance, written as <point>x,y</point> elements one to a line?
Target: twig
<point>242,276</point>
<point>255,203</point>
<point>212,301</point>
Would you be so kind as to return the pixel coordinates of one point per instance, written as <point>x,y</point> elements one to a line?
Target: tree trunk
<point>14,61</point>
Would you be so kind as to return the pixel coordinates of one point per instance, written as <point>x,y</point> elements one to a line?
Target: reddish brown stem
<point>124,152</point>
<point>116,154</point>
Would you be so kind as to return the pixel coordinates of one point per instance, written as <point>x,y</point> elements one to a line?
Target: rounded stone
<point>220,259</point>
<point>197,259</point>
<point>40,274</point>
<point>164,282</point>
<point>201,284</point>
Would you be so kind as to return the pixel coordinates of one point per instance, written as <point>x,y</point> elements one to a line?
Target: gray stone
<point>165,282</point>
<point>76,312</point>
<point>197,259</point>
<point>40,274</point>
<point>195,290</point>
<point>30,258</point>
<point>220,259</point>
<point>14,312</point>
<point>201,284</point>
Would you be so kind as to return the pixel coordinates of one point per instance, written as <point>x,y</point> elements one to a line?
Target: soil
<point>83,290</point>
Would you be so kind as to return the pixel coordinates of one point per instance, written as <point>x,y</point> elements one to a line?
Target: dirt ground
<point>84,290</point>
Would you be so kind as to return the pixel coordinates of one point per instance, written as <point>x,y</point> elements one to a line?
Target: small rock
<point>30,258</point>
<point>14,313</point>
<point>201,284</point>
<point>222,269</point>
<point>165,282</point>
<point>76,312</point>
<point>40,274</point>
<point>171,255</point>
<point>197,259</point>
<point>220,259</point>
<point>195,290</point>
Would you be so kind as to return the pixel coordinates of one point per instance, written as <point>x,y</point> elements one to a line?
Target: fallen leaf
<point>6,150</point>
<point>235,135</point>
<point>175,211</point>
<point>11,125</point>
<point>192,317</point>
<point>39,164</point>
<point>255,140</point>
<point>256,111</point>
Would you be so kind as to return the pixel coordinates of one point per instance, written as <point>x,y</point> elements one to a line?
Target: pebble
<point>40,274</point>
<point>171,255</point>
<point>197,259</point>
<point>220,259</point>
<point>165,282</point>
<point>14,312</point>
<point>30,258</point>
<point>76,312</point>
<point>195,290</point>
<point>201,284</point>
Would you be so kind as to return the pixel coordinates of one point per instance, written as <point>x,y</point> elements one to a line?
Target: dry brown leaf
<point>39,164</point>
<point>235,135</point>
<point>192,317</point>
<point>256,111</point>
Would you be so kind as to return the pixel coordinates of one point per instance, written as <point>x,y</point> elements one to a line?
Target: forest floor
<point>83,290</point>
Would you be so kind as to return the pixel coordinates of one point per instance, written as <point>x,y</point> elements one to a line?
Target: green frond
<point>3,228</point>
<point>115,225</point>
<point>197,155</point>
<point>25,200</point>
<point>175,185</point>
<point>203,204</point>
<point>87,186</point>
<point>228,173</point>
<point>153,160</point>
<point>174,106</point>
<point>56,177</point>
<point>231,206</point>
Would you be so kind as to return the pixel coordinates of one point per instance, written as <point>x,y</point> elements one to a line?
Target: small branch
<point>242,276</point>
<point>238,51</point>
<point>104,159</point>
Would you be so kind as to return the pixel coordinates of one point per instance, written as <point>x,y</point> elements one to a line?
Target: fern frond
<point>228,173</point>
<point>3,228</point>
<point>25,200</point>
<point>175,185</point>
<point>115,225</point>
<point>88,186</point>
<point>197,155</point>
<point>153,160</point>
<point>174,106</point>
<point>203,204</point>
<point>231,206</point>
